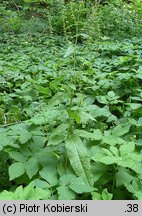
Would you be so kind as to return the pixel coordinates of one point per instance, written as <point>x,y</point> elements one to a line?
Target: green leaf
<point>6,195</point>
<point>78,157</point>
<point>45,117</point>
<point>123,177</point>
<point>102,155</point>
<point>102,99</point>
<point>60,129</point>
<point>139,122</point>
<point>112,140</point>
<point>121,129</point>
<point>49,173</point>
<point>114,150</point>
<point>134,106</point>
<point>80,186</point>
<point>3,141</point>
<point>111,94</point>
<point>69,51</point>
<point>66,179</point>
<point>40,183</point>
<point>74,115</point>
<point>96,196</point>
<point>37,144</point>
<point>46,156</point>
<point>127,148</point>
<point>85,117</point>
<point>17,156</point>
<point>108,160</point>
<point>25,136</point>
<point>96,135</point>
<point>6,140</point>
<point>32,166</point>
<point>97,111</point>
<point>99,170</point>
<point>15,170</point>
<point>44,90</point>
<point>106,195</point>
<point>27,193</point>
<point>31,193</point>
<point>65,193</point>
<point>56,139</point>
<point>135,188</point>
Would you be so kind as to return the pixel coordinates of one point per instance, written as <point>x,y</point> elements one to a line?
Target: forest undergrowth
<point>71,104</point>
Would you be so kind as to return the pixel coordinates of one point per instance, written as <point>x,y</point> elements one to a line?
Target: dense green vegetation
<point>70,100</point>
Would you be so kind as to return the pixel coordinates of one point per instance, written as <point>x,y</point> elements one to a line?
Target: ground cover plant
<point>71,107</point>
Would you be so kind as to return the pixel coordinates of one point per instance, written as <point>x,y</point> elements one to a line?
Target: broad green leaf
<point>99,154</point>
<point>40,183</point>
<point>56,139</point>
<point>39,141</point>
<point>17,156</point>
<point>134,106</point>
<point>32,167</point>
<point>135,188</point>
<point>45,117</point>
<point>112,140</point>
<point>111,94</point>
<point>6,195</point>
<point>44,90</point>
<point>96,196</point>
<point>39,119</point>
<point>31,193</point>
<point>102,99</point>
<point>99,170</point>
<point>123,177</point>
<point>60,129</point>
<point>85,117</point>
<point>139,142</point>
<point>127,148</point>
<point>27,193</point>
<point>96,152</point>
<point>65,193</point>
<point>107,152</point>
<point>78,158</point>
<point>61,169</point>
<point>131,160</point>
<point>80,186</point>
<point>114,150</point>
<point>37,144</point>
<point>106,195</point>
<point>49,173</point>
<point>46,156</point>
<point>3,141</point>
<point>15,170</point>
<point>139,122</point>
<point>97,111</point>
<point>66,179</point>
<point>96,135</point>
<point>6,140</point>
<point>25,136</point>
<point>25,151</point>
<point>121,130</point>
<point>107,160</point>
